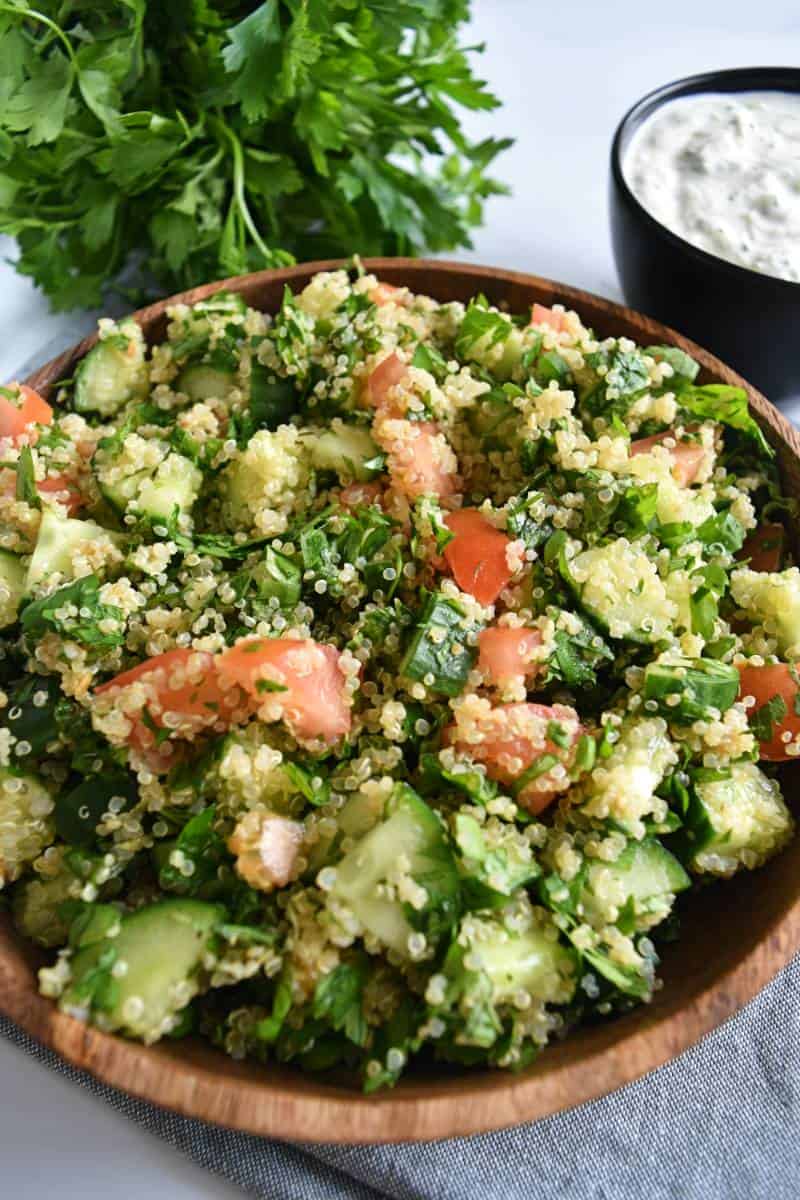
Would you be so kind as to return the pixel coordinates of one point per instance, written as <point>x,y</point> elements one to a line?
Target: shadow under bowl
<point>750,320</point>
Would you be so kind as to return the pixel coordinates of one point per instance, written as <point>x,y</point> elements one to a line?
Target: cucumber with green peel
<point>771,598</point>
<point>12,587</point>
<point>153,492</point>
<point>175,484</point>
<point>528,962</point>
<point>408,844</point>
<point>495,858</point>
<point>114,372</point>
<point>78,810</point>
<point>644,880</point>
<point>221,303</point>
<point>618,585</point>
<point>360,813</point>
<point>735,818</point>
<point>201,381</point>
<point>349,451</point>
<point>495,420</point>
<point>136,974</point>
<point>273,400</point>
<point>499,957</point>
<point>37,906</point>
<point>26,821</point>
<point>58,541</point>
<point>691,689</point>
<point>683,366</point>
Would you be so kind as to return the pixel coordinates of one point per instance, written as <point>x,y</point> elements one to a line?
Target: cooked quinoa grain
<point>379,672</point>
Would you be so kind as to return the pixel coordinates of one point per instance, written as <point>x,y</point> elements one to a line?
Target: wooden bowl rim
<point>202,1083</point>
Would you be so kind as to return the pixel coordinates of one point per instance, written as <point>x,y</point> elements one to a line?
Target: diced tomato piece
<point>765,683</point>
<point>511,739</point>
<point>419,459</point>
<point>384,377</point>
<point>764,547</point>
<point>63,490</point>
<point>541,315</point>
<point>19,416</point>
<point>358,495</point>
<point>687,457</point>
<point>385,293</point>
<point>477,555</point>
<point>296,679</point>
<point>504,652</point>
<point>183,693</point>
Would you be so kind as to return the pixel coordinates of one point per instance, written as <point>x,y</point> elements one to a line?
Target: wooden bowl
<point>735,937</point>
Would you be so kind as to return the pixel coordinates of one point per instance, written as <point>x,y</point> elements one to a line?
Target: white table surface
<point>566,73</point>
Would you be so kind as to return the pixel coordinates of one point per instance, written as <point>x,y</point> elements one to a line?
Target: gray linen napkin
<point>719,1123</point>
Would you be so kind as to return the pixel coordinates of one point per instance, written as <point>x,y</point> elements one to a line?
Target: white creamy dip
<point>722,170</point>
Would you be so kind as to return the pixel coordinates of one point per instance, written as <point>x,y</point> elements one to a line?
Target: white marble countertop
<point>566,73</point>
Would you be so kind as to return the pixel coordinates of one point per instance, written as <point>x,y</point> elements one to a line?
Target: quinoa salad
<point>378,674</point>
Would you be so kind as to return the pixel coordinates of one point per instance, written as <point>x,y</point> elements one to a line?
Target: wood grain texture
<point>735,936</point>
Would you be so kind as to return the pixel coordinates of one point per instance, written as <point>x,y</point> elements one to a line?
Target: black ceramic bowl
<point>749,320</point>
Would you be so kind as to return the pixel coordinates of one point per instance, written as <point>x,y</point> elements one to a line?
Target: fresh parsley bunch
<point>203,138</point>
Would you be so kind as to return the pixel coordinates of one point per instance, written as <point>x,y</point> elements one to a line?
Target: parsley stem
<point>35,15</point>
<point>238,184</point>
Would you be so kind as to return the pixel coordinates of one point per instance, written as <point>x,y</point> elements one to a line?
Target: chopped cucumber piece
<point>678,586</point>
<point>78,811</point>
<point>175,484</point>
<point>529,961</point>
<point>114,372</point>
<point>349,451</point>
<point>200,381</point>
<point>152,492</point>
<point>361,813</point>
<point>644,880</point>
<point>58,542</point>
<point>162,947</point>
<point>495,420</point>
<point>619,585</point>
<point>30,720</point>
<point>771,598</point>
<point>12,587</point>
<point>439,654</point>
<point>401,877</point>
<point>37,906</point>
<point>26,824</point>
<point>496,859</point>
<point>271,471</point>
<point>273,400</point>
<point>688,689</point>
<point>736,818</point>
<point>517,951</point>
<point>221,302</point>
<point>683,365</point>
